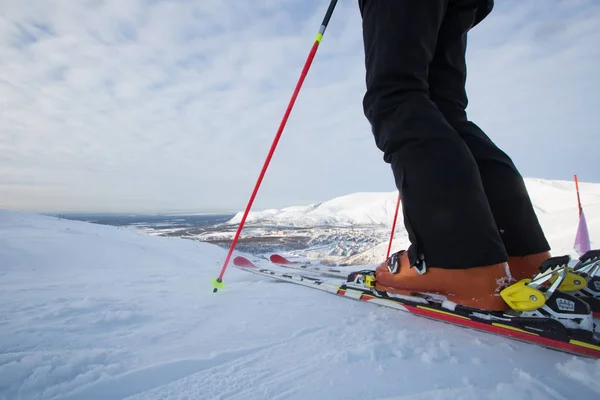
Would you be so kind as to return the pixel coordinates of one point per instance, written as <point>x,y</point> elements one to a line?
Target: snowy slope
<point>95,312</point>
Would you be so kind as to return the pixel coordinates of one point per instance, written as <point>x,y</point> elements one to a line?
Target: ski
<point>531,328</point>
<point>584,283</point>
<point>319,269</point>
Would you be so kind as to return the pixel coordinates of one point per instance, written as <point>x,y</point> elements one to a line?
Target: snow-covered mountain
<point>97,312</point>
<point>371,215</point>
<point>354,209</point>
<point>370,208</point>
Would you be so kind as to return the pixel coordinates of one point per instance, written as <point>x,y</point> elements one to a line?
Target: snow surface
<point>98,312</point>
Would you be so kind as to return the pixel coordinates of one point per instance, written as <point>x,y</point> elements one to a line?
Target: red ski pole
<point>393,227</point>
<point>218,282</point>
<point>578,198</point>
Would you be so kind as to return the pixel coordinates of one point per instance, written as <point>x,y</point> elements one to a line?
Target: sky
<point>171,106</point>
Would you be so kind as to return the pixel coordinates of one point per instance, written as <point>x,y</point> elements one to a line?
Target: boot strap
<point>420,266</point>
<point>393,263</point>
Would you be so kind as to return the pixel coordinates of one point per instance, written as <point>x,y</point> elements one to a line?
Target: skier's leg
<point>446,211</point>
<point>511,206</point>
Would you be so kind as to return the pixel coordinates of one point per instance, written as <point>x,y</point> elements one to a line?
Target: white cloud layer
<point>135,105</point>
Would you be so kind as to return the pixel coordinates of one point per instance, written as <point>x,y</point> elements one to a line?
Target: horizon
<point>182,212</point>
<point>142,107</point>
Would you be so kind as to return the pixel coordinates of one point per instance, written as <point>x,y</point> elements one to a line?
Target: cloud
<point>136,105</point>
<point>533,85</point>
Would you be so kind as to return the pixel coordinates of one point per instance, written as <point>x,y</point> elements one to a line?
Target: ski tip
<point>243,262</point>
<point>277,259</point>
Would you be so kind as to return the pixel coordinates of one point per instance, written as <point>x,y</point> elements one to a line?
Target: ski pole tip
<point>217,284</point>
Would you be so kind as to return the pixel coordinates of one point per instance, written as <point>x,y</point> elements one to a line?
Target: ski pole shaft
<point>578,198</point>
<point>218,282</point>
<point>393,227</point>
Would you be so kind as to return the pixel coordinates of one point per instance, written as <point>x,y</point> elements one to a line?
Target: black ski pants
<point>465,203</point>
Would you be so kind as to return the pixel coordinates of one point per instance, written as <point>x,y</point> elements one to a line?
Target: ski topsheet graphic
<point>321,269</point>
<point>539,330</point>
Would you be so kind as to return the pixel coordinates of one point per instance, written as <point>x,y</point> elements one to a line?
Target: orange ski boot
<point>527,266</point>
<point>473,287</point>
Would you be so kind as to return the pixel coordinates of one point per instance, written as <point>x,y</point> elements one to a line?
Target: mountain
<point>555,203</point>
<point>353,209</point>
<point>548,196</point>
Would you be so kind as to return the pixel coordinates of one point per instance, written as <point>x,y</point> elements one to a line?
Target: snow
<point>98,312</point>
